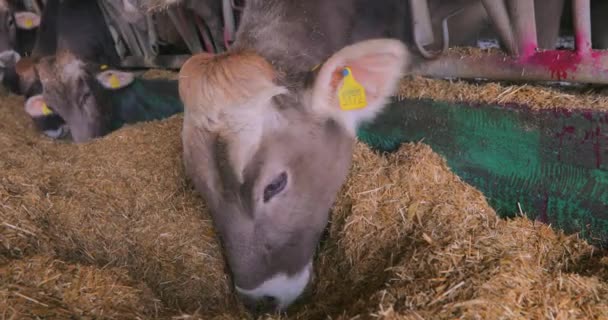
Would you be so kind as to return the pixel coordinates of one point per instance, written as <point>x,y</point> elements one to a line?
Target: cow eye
<point>275,187</point>
<point>83,99</point>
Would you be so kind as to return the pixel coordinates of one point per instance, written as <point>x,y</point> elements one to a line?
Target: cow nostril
<point>266,304</point>
<point>269,301</point>
<point>262,304</point>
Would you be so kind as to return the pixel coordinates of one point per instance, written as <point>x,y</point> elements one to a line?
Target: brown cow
<point>268,142</point>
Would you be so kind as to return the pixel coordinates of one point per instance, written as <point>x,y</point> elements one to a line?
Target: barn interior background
<point>523,122</point>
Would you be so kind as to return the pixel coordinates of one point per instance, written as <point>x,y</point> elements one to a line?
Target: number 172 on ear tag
<point>352,93</point>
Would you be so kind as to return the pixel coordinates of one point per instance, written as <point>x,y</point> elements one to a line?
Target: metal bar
<point>158,62</point>
<point>229,23</point>
<point>141,38</point>
<point>186,30</point>
<point>582,25</point>
<point>550,65</point>
<point>121,26</point>
<point>120,41</point>
<point>497,11</point>
<point>524,26</point>
<point>421,22</point>
<point>202,29</point>
<point>152,35</point>
<point>548,19</point>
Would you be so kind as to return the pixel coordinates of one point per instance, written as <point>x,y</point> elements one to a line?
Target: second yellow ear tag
<point>114,82</point>
<point>29,23</point>
<point>352,93</point>
<point>45,109</point>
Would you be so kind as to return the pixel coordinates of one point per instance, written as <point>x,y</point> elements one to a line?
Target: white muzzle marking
<point>281,287</point>
<point>9,58</point>
<point>57,133</point>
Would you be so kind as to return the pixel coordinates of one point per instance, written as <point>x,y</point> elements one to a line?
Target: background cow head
<point>17,36</point>
<point>77,92</point>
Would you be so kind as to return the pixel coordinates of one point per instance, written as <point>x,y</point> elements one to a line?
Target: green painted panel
<point>554,163</point>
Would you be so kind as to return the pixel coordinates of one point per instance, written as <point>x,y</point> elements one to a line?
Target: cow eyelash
<point>275,187</point>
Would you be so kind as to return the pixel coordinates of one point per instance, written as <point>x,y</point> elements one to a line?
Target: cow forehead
<point>72,70</point>
<point>244,132</point>
<point>246,156</point>
<point>255,138</point>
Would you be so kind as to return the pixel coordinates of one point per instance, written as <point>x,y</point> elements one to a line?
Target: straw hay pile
<point>537,96</point>
<point>533,96</point>
<point>113,229</point>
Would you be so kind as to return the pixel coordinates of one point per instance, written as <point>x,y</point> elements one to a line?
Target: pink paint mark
<point>596,59</point>
<point>597,147</point>
<point>582,42</point>
<point>562,112</point>
<point>595,137</point>
<point>227,38</point>
<point>566,130</point>
<point>558,62</point>
<point>529,49</point>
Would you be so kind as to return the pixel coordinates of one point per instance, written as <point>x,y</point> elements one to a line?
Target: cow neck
<point>144,100</point>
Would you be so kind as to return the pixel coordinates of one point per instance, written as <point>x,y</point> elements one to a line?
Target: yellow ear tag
<point>352,93</point>
<point>114,82</point>
<point>103,67</point>
<point>28,22</point>
<point>45,110</point>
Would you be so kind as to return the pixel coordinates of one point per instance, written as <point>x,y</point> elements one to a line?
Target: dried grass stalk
<point>113,229</point>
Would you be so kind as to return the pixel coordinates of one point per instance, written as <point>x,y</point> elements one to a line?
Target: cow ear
<point>228,90</point>
<point>114,79</point>
<point>27,20</point>
<point>354,84</point>
<point>35,106</point>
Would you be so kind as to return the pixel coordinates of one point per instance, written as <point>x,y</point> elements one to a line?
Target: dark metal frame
<point>523,61</point>
<point>513,20</point>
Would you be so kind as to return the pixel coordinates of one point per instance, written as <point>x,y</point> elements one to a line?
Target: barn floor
<point>112,229</point>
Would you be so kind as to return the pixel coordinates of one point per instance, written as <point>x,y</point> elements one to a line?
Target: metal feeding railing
<point>139,47</point>
<point>514,22</point>
<point>521,59</point>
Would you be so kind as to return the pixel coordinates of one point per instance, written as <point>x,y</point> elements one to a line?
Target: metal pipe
<point>582,25</point>
<point>445,39</point>
<point>187,31</point>
<point>548,19</point>
<point>152,36</point>
<point>421,22</point>
<point>524,26</point>
<point>550,65</point>
<point>497,11</point>
<point>202,29</point>
<point>229,23</point>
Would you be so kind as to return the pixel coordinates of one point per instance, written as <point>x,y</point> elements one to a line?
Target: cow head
<point>78,92</point>
<point>10,21</point>
<point>270,159</point>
